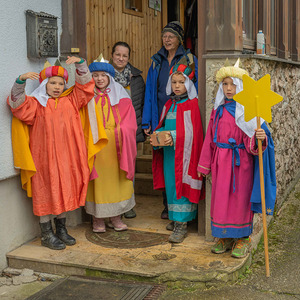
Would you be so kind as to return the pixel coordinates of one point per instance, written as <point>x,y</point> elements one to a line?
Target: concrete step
<point>144,185</point>
<point>144,164</point>
<point>190,264</point>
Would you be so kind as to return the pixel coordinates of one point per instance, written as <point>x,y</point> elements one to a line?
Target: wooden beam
<point>73,28</point>
<point>297,42</point>
<point>80,24</point>
<point>164,13</point>
<point>181,12</point>
<point>67,35</point>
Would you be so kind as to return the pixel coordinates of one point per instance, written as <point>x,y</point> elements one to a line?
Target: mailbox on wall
<point>42,35</point>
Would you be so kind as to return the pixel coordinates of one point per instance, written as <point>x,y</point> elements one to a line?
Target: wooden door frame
<point>203,209</point>
<point>164,10</point>
<point>73,28</point>
<point>74,35</point>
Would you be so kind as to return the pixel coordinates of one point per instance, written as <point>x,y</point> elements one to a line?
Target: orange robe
<point>58,148</point>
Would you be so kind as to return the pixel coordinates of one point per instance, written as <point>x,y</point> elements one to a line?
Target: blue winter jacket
<point>150,110</point>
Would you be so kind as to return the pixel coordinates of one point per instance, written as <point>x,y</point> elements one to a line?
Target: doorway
<point>184,11</point>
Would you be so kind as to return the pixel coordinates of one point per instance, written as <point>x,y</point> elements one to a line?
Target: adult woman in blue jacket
<point>171,53</point>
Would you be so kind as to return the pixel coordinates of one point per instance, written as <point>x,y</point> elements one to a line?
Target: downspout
<point>202,97</point>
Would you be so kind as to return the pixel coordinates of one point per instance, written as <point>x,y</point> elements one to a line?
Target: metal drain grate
<point>101,289</point>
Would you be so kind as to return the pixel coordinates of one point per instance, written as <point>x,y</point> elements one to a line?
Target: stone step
<point>190,263</point>
<point>147,148</point>
<point>144,185</point>
<point>144,164</point>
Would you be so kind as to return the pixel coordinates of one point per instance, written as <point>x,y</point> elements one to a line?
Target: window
<point>249,28</point>
<point>279,21</point>
<point>133,7</point>
<point>266,22</point>
<point>293,30</point>
<point>273,27</point>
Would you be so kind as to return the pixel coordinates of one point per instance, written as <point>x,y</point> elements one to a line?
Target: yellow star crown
<point>257,98</point>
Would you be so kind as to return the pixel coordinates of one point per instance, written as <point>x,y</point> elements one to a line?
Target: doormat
<point>128,239</point>
<point>101,289</point>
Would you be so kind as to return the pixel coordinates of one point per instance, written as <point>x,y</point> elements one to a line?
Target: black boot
<point>62,233</point>
<point>49,239</point>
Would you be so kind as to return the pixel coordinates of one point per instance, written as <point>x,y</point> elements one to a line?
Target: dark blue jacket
<point>158,68</point>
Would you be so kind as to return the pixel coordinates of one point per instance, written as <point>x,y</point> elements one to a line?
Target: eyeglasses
<point>168,37</point>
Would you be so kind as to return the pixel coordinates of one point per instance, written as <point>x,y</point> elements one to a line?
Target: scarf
<point>123,77</point>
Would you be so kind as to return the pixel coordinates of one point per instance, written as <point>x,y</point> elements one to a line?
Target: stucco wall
<point>14,62</point>
<point>17,222</point>
<point>285,125</point>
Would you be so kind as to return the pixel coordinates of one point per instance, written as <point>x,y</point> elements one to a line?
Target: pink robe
<point>125,134</point>
<point>231,214</point>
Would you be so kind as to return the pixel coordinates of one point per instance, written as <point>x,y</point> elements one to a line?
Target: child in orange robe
<point>57,144</point>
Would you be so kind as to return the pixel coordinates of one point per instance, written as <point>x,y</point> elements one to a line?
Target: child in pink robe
<point>227,154</point>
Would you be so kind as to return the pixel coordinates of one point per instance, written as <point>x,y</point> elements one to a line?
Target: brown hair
<point>123,44</point>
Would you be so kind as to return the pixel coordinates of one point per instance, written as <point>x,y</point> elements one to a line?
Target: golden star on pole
<point>257,98</point>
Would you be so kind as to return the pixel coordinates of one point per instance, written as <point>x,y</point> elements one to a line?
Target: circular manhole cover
<point>126,239</point>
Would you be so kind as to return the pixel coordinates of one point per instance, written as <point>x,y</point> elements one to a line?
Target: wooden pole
<point>263,202</point>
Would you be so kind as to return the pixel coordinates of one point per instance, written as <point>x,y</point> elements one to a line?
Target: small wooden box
<point>158,138</point>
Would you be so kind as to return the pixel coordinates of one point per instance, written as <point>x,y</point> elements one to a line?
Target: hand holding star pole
<point>257,99</point>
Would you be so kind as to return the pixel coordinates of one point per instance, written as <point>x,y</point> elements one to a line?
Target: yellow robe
<point>110,194</point>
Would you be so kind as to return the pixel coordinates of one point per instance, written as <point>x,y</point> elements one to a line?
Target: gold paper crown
<point>47,64</point>
<point>100,58</point>
<point>230,71</point>
<point>55,70</point>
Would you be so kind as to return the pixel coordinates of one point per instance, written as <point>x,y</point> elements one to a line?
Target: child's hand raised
<point>73,60</point>
<point>29,75</point>
<point>260,134</point>
<point>201,174</point>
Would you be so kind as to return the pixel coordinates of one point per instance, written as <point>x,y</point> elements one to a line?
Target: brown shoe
<point>170,226</point>
<point>179,232</point>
